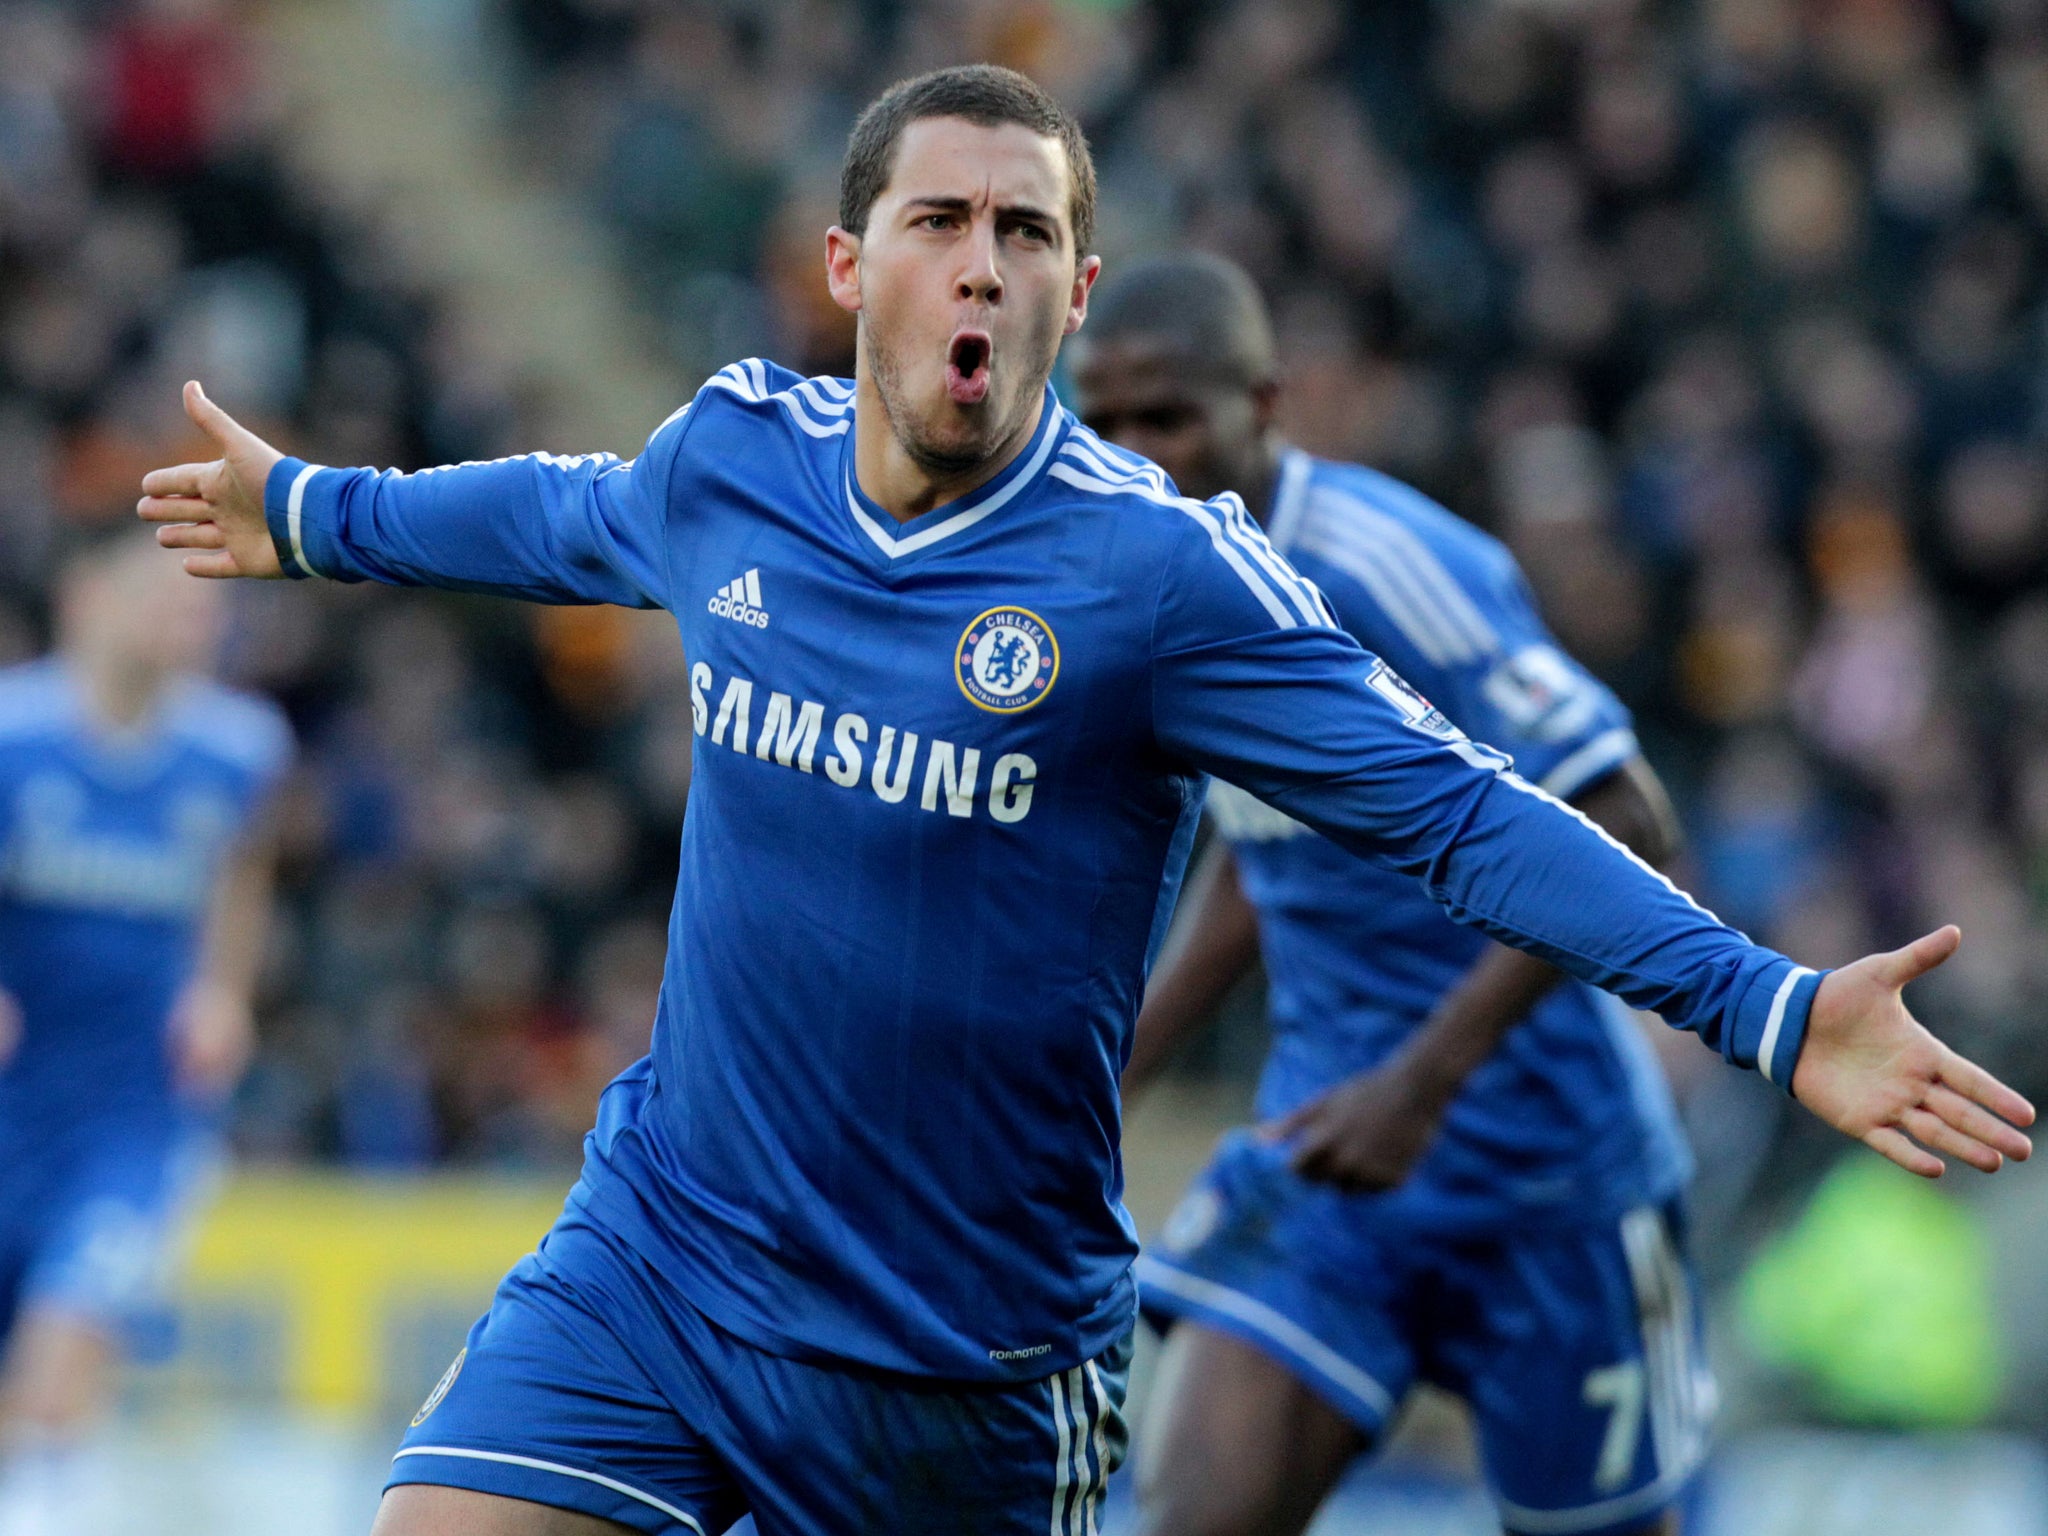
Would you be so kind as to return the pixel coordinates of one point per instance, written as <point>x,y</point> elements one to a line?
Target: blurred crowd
<point>479,844</point>
<point>1726,315</point>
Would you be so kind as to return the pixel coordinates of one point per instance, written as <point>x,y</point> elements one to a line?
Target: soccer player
<point>848,1249</point>
<point>134,887</point>
<point>1527,1252</point>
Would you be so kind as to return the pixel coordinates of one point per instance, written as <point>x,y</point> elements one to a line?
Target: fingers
<point>1919,957</point>
<point>1930,1130</point>
<point>192,536</point>
<point>1974,1083</point>
<point>181,480</point>
<point>1892,1144</point>
<point>1978,1123</point>
<point>217,566</point>
<point>1292,1123</point>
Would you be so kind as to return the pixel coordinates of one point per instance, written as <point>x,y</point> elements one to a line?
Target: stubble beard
<point>908,423</point>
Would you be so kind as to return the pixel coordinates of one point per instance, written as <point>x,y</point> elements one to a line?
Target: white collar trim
<point>894,547</point>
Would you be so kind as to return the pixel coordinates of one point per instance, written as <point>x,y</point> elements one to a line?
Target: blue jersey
<point>1570,1118</point>
<point>947,774</point>
<point>110,842</point>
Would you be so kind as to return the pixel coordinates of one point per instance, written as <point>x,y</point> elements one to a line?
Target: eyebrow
<point>946,204</point>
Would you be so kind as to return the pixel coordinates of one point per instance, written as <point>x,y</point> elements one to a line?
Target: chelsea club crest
<point>1007,660</point>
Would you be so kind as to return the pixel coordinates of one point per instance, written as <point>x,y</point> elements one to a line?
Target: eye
<point>937,221</point>
<point>1035,232</point>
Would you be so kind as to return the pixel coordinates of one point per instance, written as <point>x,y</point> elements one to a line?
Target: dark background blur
<point>1728,316</point>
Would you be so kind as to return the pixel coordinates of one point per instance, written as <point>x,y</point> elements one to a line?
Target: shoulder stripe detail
<point>1457,602</point>
<point>1238,523</point>
<point>1344,515</point>
<point>738,379</point>
<point>838,427</point>
<point>1397,598</point>
<point>814,410</point>
<point>533,1463</point>
<point>1252,538</point>
<point>1095,458</point>
<point>1234,557</point>
<point>821,404</point>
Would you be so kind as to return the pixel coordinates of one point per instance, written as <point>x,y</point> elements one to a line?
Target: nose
<point>981,281</point>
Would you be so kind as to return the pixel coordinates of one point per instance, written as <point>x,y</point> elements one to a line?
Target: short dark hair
<point>984,94</point>
<point>1195,303</point>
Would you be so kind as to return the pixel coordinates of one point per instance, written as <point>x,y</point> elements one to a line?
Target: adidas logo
<point>740,599</point>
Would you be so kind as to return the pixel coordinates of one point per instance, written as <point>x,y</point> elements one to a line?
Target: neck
<point>1263,474</point>
<point>898,483</point>
<point>119,693</point>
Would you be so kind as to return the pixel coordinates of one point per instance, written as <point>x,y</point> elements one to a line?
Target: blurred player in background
<point>134,888</point>
<point>1527,1253</point>
<point>849,1249</point>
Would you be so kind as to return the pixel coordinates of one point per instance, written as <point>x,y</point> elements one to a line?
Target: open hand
<point>217,508</point>
<point>1872,1071</point>
<point>1363,1136</point>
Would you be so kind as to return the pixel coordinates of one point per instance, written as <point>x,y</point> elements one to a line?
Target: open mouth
<point>967,366</point>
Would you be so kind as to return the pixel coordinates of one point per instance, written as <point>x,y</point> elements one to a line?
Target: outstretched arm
<point>580,529</point>
<point>1253,683</point>
<point>1369,1131</point>
<point>1216,948</point>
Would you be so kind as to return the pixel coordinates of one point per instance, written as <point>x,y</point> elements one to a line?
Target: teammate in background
<point>134,889</point>
<point>1525,1247</point>
<point>849,1249</point>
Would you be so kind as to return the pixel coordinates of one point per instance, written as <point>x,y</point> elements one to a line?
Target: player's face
<point>140,609</point>
<point>1149,397</point>
<point>965,282</point>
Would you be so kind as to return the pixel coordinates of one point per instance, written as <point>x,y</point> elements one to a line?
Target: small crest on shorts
<point>440,1388</point>
<point>1007,660</point>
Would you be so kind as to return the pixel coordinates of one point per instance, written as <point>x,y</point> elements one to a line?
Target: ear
<point>842,268</point>
<point>1077,302</point>
<point>1265,404</point>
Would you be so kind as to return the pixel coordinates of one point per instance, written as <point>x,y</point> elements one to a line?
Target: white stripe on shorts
<point>548,1466</point>
<point>1063,1466</point>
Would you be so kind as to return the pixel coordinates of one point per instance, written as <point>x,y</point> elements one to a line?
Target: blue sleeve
<point>1449,609</point>
<point>1247,686</point>
<point>583,529</point>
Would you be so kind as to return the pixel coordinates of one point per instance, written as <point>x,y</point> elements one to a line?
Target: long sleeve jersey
<point>947,774</point>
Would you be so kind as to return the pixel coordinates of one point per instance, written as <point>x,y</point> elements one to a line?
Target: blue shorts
<point>592,1385</point>
<point>96,1236</point>
<point>1579,1350</point>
